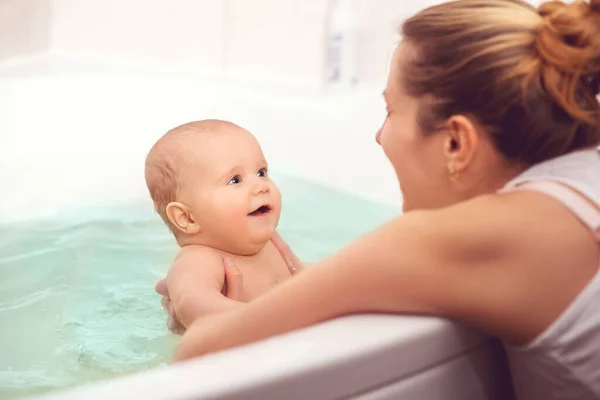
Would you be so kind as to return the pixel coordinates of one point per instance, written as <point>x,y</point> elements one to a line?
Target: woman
<point>492,129</point>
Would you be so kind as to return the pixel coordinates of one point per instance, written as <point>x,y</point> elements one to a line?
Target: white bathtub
<point>77,133</point>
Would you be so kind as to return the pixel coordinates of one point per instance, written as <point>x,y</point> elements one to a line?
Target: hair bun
<point>570,35</point>
<point>568,43</point>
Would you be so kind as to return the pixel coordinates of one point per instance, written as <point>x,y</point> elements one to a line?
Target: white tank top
<point>563,362</point>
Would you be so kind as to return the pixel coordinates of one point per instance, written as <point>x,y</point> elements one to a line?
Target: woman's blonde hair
<point>529,76</point>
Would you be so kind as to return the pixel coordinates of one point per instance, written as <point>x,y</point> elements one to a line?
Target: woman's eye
<point>235,180</point>
<point>262,172</point>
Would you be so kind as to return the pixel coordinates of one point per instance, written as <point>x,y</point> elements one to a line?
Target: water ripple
<point>77,300</point>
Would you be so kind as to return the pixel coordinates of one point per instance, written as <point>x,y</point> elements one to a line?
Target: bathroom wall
<point>24,27</point>
<point>380,22</point>
<point>280,40</point>
<point>183,31</point>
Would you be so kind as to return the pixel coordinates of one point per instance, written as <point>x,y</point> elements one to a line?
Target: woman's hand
<point>204,336</point>
<point>173,322</point>
<point>234,284</point>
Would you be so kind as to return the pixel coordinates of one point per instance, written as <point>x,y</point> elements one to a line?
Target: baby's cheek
<point>237,213</point>
<point>231,226</point>
<point>220,216</point>
<point>276,215</point>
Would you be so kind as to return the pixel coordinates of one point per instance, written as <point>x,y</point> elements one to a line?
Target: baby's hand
<point>293,263</point>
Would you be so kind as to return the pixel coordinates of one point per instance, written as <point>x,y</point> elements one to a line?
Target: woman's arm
<point>488,262</point>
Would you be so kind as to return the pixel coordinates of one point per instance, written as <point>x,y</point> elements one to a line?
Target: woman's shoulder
<point>512,251</point>
<point>519,225</point>
<point>500,219</point>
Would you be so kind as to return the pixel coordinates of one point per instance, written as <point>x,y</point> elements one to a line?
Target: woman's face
<point>419,160</point>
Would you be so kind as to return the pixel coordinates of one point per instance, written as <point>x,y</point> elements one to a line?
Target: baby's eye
<point>235,180</point>
<point>262,172</point>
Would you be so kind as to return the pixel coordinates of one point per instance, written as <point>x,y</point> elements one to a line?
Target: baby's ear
<point>181,218</point>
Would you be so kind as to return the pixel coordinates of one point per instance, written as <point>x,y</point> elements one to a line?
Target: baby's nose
<point>261,188</point>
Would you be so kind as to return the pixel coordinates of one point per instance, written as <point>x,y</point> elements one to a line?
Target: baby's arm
<point>195,283</point>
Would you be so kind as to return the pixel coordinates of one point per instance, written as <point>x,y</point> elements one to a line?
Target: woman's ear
<point>181,218</point>
<point>460,145</point>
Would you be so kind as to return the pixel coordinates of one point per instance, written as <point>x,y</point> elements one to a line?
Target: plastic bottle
<point>342,57</point>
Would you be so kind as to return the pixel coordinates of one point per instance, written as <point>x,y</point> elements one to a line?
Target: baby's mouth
<point>262,210</point>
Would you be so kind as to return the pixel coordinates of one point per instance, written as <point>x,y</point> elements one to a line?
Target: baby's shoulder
<point>198,255</point>
<point>195,264</point>
<point>196,250</point>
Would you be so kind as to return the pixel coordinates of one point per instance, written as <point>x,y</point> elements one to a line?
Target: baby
<point>210,184</point>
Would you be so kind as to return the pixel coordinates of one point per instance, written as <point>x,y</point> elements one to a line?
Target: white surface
<point>470,376</point>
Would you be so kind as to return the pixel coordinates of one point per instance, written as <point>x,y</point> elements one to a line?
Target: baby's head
<point>209,183</point>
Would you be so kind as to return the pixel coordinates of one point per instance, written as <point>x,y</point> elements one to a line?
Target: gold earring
<point>452,172</point>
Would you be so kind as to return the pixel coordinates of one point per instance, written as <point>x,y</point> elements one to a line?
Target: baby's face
<point>230,194</point>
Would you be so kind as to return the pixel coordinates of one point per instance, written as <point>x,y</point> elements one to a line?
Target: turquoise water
<point>76,291</point>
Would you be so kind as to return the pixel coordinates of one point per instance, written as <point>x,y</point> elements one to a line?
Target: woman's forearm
<point>349,281</point>
<point>194,305</point>
<point>369,275</point>
<point>392,269</point>
<point>296,303</point>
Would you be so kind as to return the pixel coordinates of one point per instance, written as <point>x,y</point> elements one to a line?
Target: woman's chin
<point>408,204</point>
<point>405,204</point>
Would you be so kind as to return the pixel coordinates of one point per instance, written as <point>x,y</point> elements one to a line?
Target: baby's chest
<point>256,284</point>
<point>259,280</point>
